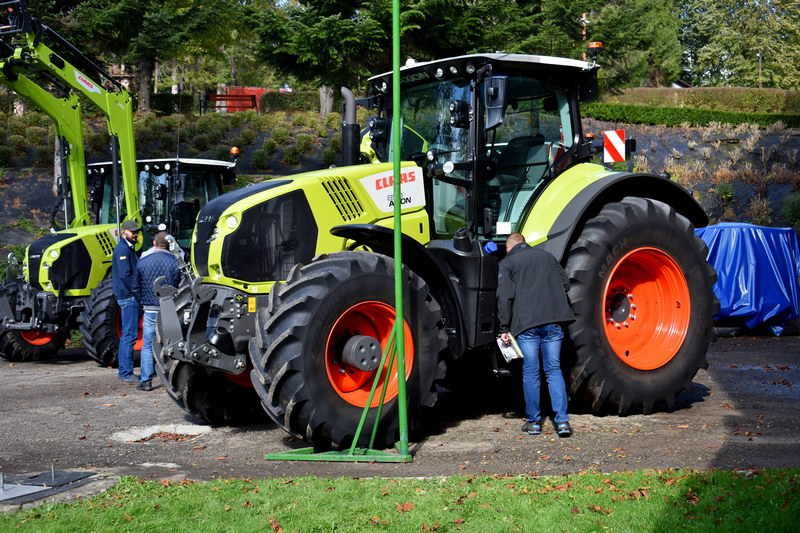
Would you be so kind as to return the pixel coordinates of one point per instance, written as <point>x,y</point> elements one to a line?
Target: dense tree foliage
<point>749,43</point>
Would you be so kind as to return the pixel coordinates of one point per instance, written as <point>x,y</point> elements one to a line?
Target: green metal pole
<point>399,329</point>
<point>396,345</point>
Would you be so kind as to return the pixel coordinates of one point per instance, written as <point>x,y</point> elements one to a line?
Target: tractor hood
<point>253,236</point>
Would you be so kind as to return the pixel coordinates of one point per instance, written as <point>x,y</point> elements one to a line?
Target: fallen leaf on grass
<point>275,525</point>
<point>434,527</point>
<point>599,509</point>
<point>458,521</point>
<point>127,517</point>
<point>405,507</point>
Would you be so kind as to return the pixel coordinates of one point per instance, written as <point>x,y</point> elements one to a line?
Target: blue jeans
<point>148,332</point>
<point>547,338</point>
<point>129,311</point>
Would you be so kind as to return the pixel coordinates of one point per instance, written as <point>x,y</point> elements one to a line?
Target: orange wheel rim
<point>373,319</point>
<point>240,380</point>
<point>139,333</point>
<point>646,309</point>
<point>36,338</point>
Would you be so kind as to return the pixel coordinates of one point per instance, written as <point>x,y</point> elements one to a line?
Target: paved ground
<point>73,415</point>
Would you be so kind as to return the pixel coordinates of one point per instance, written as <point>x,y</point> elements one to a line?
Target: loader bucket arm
<point>66,115</point>
<point>91,80</point>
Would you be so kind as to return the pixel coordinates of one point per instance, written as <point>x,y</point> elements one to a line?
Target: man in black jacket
<point>153,265</point>
<point>532,304</point>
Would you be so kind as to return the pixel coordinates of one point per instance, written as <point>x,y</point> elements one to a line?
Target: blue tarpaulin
<point>757,271</point>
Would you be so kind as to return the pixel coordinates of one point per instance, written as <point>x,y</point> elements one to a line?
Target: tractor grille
<point>209,216</point>
<point>37,249</point>
<point>272,237</point>
<point>71,270</point>
<point>344,198</point>
<point>106,244</point>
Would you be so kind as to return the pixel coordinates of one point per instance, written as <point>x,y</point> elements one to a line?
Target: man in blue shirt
<point>159,262</point>
<point>123,275</point>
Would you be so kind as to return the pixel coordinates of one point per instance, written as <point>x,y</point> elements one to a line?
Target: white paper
<point>508,351</point>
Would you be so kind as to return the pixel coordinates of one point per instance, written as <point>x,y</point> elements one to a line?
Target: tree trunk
<point>325,100</point>
<point>145,71</point>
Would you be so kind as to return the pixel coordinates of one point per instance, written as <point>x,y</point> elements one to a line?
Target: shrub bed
<point>677,116</point>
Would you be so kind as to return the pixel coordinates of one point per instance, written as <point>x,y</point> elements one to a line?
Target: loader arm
<point>66,115</point>
<point>91,81</point>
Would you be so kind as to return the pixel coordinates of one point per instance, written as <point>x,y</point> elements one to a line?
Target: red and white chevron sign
<point>613,146</point>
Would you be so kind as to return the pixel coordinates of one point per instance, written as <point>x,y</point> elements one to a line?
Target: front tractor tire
<point>27,346</point>
<point>641,290</point>
<point>307,366</point>
<point>102,325</point>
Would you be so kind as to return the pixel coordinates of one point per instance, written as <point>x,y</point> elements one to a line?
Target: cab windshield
<point>534,133</point>
<point>425,112</point>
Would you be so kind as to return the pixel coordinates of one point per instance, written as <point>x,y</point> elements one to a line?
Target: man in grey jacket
<point>159,262</point>
<point>531,305</point>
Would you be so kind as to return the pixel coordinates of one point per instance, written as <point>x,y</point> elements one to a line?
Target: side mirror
<point>495,101</point>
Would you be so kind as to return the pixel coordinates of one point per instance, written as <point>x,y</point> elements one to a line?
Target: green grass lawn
<point>667,500</point>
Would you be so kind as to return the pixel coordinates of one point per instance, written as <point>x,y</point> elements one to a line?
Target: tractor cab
<point>491,131</point>
<point>171,192</point>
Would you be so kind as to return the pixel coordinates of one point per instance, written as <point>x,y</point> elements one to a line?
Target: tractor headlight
<point>54,254</point>
<point>231,222</point>
<point>214,235</point>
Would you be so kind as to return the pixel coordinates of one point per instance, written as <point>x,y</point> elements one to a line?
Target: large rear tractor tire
<point>26,346</point>
<point>643,302</point>
<point>309,362</point>
<point>102,326</point>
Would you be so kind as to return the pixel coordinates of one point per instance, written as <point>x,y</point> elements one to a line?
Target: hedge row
<point>677,116</point>
<point>167,104</point>
<point>293,101</point>
<point>737,99</point>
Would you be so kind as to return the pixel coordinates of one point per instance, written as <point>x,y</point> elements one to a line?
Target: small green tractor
<point>63,284</point>
<point>292,299</point>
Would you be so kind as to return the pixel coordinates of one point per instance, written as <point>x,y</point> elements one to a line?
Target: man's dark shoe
<point>133,378</point>
<point>563,429</point>
<point>145,386</point>
<point>532,428</point>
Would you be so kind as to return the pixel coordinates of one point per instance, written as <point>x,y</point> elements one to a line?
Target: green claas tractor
<point>63,283</point>
<point>292,300</point>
